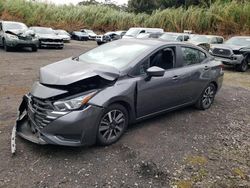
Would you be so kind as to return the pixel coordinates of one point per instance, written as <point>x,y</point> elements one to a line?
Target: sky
<point>119,2</point>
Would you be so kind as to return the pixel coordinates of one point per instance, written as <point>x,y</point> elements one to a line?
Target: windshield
<point>13,26</point>
<point>200,38</point>
<point>43,30</point>
<point>238,41</point>
<point>132,32</point>
<point>168,36</point>
<point>114,54</point>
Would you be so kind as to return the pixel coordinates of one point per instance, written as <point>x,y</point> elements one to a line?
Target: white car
<point>92,35</point>
<point>133,32</point>
<point>63,34</point>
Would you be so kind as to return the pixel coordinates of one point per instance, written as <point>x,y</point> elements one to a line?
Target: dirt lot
<point>186,148</point>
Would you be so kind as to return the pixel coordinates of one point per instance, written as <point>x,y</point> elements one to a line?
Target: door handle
<point>175,77</point>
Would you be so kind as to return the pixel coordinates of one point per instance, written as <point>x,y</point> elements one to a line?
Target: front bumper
<point>48,44</point>
<point>75,128</point>
<point>232,60</point>
<point>22,43</point>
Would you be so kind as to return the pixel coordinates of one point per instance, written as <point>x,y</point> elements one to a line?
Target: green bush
<point>223,18</point>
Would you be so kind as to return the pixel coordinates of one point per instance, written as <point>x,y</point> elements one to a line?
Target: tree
<point>139,6</point>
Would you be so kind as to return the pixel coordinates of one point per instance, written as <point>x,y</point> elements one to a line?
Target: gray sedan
<point>17,35</point>
<point>92,98</point>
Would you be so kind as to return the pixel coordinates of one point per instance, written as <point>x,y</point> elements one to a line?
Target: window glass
<point>164,58</point>
<point>192,56</point>
<point>214,40</point>
<point>220,40</point>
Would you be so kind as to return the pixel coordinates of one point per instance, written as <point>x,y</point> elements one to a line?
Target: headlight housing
<point>9,36</point>
<point>73,104</point>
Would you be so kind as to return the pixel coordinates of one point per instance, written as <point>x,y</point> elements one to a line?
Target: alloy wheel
<point>112,125</point>
<point>208,96</point>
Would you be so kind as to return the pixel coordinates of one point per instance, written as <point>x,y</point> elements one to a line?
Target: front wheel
<point>244,65</point>
<point>207,97</point>
<point>112,125</point>
<point>5,46</point>
<point>34,49</point>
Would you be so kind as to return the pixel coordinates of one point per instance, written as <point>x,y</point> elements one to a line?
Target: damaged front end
<point>61,114</point>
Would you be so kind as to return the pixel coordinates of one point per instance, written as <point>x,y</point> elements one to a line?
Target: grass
<point>223,18</point>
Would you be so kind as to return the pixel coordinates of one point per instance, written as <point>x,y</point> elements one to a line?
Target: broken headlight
<point>11,37</point>
<point>73,104</point>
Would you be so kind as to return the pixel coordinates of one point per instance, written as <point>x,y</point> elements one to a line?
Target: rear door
<point>194,71</point>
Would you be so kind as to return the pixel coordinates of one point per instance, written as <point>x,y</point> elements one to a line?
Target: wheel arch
<point>215,84</point>
<point>127,105</point>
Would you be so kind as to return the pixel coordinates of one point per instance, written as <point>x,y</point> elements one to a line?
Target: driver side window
<point>164,58</point>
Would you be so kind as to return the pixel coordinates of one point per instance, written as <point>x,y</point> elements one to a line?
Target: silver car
<point>93,98</point>
<point>17,35</point>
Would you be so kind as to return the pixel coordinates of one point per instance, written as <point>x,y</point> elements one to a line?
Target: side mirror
<point>155,72</point>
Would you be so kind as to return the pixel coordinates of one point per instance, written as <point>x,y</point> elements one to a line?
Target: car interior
<point>164,59</point>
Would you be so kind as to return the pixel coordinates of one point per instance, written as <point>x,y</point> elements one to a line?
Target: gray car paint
<point>142,97</point>
<point>18,32</point>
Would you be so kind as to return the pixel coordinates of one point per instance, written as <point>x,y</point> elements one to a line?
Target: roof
<point>149,42</point>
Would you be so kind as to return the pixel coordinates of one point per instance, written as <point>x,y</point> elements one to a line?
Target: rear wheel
<point>207,97</point>
<point>112,125</point>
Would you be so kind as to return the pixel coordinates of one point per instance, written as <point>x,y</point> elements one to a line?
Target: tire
<point>5,47</point>
<point>207,97</point>
<point>112,125</point>
<point>34,49</point>
<point>243,66</point>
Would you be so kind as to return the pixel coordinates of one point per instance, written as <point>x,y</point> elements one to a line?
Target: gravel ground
<point>182,149</point>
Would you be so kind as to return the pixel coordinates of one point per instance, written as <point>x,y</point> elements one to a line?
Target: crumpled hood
<point>21,32</point>
<point>68,71</point>
<point>228,46</point>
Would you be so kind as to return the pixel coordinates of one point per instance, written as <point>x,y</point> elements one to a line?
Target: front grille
<point>40,112</point>
<point>51,40</point>
<point>222,52</point>
<point>24,38</point>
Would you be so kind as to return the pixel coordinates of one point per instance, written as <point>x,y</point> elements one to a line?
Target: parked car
<point>148,35</point>
<point>93,97</point>
<point>205,41</point>
<point>63,34</point>
<point>133,32</point>
<point>17,35</point>
<point>90,33</point>
<point>234,52</point>
<point>78,35</point>
<point>175,37</point>
<point>121,33</point>
<point>109,36</point>
<point>48,38</point>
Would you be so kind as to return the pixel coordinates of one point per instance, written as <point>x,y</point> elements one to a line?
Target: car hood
<point>48,36</point>
<point>228,46</point>
<point>63,36</point>
<point>21,32</point>
<point>69,71</point>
